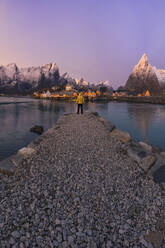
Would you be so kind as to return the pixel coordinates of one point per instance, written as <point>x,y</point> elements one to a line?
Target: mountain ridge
<point>25,80</point>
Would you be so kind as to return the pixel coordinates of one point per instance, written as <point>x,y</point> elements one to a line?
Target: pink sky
<point>96,40</point>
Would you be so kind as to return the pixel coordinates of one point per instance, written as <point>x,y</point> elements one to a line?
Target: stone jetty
<point>83,183</point>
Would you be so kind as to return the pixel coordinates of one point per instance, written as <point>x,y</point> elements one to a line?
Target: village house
<point>45,94</point>
<point>147,93</point>
<point>68,87</point>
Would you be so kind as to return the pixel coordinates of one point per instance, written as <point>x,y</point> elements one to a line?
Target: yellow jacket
<point>80,99</point>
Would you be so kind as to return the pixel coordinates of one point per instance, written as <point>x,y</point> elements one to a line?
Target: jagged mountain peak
<point>104,83</point>
<point>144,58</point>
<point>143,62</point>
<point>12,65</point>
<point>143,78</point>
<point>50,67</point>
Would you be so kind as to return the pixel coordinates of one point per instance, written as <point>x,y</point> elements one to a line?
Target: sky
<point>94,39</point>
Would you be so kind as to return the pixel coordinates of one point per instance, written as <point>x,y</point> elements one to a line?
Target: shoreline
<point>134,99</point>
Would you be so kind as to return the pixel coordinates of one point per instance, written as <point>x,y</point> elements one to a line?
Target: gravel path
<point>79,189</point>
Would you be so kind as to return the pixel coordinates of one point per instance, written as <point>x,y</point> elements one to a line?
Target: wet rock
<point>135,151</point>
<point>26,151</point>
<point>144,159</point>
<point>122,136</point>
<point>156,149</point>
<point>37,129</point>
<point>147,162</point>
<point>146,146</point>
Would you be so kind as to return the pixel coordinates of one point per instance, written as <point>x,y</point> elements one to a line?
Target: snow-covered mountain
<point>161,76</point>
<point>26,80</point>
<point>81,82</point>
<point>143,77</point>
<point>104,83</point>
<point>67,79</point>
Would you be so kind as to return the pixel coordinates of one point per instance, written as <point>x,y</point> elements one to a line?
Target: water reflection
<point>98,107</point>
<point>17,119</point>
<point>142,121</point>
<point>142,117</point>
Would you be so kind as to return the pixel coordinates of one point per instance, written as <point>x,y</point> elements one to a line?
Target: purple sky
<point>95,39</point>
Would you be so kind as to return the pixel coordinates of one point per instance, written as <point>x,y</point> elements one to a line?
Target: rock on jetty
<point>80,185</point>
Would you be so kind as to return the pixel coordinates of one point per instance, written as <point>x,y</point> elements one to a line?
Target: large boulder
<point>141,155</point>
<point>124,137</point>
<point>25,152</point>
<point>37,129</point>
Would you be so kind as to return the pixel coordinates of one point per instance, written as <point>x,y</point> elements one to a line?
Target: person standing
<point>80,101</point>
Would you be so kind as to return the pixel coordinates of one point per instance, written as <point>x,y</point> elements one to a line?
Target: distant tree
<point>41,83</point>
<point>121,88</point>
<point>103,89</point>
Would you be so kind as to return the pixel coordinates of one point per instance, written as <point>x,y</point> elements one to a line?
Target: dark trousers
<point>78,108</point>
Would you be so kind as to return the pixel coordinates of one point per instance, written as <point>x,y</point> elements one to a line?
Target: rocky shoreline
<point>83,183</point>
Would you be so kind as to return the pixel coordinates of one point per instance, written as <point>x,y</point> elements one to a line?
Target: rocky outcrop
<point>124,137</point>
<point>26,80</point>
<point>161,77</point>
<point>143,78</point>
<point>37,129</point>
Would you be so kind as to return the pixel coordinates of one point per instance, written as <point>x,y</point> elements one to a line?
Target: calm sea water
<point>17,115</point>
